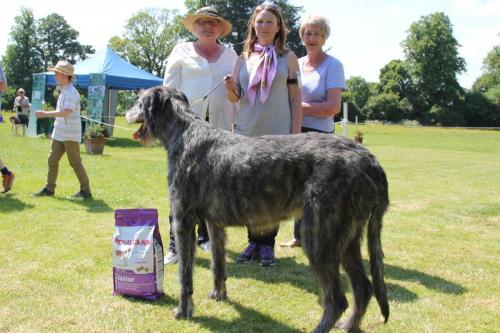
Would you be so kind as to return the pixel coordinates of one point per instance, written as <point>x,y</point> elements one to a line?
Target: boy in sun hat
<point>67,132</point>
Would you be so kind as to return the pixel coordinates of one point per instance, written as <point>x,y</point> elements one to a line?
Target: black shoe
<point>44,193</point>
<point>82,194</point>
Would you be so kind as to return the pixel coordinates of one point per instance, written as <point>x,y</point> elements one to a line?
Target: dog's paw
<point>217,295</point>
<point>180,314</point>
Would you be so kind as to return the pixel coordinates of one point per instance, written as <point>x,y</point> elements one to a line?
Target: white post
<point>345,121</point>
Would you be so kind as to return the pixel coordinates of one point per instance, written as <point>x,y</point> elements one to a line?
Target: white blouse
<point>195,77</point>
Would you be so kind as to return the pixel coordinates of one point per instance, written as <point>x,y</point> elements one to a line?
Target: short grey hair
<point>318,21</point>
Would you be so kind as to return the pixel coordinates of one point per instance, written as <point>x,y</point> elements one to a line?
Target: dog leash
<point>100,122</point>
<point>199,100</point>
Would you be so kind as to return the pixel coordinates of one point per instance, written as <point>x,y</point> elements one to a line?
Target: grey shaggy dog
<point>333,183</point>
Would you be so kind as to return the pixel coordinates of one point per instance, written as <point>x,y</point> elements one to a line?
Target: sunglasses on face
<point>209,22</point>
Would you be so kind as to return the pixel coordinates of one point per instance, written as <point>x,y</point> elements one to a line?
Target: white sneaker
<point>206,246</point>
<point>171,258</point>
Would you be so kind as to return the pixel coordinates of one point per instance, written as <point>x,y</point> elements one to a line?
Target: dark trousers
<point>202,234</point>
<point>263,238</point>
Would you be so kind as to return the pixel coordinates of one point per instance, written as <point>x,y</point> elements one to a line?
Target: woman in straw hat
<point>196,68</point>
<point>67,132</point>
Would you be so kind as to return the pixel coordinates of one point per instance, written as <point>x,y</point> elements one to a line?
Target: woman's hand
<point>229,82</point>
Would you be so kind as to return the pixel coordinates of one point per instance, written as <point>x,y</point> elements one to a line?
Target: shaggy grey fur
<point>333,183</point>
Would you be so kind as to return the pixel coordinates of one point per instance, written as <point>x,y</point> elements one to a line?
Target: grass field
<point>441,239</point>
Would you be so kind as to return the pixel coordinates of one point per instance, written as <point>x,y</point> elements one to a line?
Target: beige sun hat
<point>204,13</point>
<point>63,67</point>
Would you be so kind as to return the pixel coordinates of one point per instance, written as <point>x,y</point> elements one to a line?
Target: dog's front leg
<point>185,243</point>
<point>218,264</point>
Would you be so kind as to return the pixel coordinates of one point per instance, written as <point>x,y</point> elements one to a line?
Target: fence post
<point>345,121</point>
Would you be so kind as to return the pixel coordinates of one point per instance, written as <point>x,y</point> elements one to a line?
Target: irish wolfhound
<point>334,184</point>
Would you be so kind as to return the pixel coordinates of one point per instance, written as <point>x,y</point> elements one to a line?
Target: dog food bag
<point>137,254</point>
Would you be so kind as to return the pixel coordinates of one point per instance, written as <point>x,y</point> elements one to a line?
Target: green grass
<point>441,239</point>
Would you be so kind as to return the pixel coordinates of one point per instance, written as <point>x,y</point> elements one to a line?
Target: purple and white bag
<point>137,254</point>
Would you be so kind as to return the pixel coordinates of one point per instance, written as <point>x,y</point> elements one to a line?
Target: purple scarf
<point>263,74</point>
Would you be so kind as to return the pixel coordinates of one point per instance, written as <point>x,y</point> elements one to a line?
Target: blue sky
<point>366,35</point>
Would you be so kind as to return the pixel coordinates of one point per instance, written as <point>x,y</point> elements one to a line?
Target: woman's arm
<point>232,82</point>
<point>325,109</point>
<point>52,114</point>
<point>294,98</point>
<point>172,78</point>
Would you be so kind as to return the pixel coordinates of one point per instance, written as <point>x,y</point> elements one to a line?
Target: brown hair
<point>279,39</point>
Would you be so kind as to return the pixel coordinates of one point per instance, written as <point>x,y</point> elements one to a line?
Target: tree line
<point>422,87</point>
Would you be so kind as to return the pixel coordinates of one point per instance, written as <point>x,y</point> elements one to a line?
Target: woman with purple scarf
<point>265,83</point>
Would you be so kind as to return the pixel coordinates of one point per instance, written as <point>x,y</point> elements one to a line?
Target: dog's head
<point>154,109</point>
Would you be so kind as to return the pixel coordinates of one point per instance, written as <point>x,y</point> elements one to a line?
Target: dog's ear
<point>179,102</point>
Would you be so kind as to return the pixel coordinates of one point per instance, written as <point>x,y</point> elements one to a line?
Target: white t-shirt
<point>195,77</point>
<point>315,85</point>
<point>69,128</point>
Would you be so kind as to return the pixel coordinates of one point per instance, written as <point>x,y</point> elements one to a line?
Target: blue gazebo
<point>103,75</point>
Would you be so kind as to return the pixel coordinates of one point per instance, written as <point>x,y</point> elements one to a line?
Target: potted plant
<point>95,138</point>
<point>358,136</point>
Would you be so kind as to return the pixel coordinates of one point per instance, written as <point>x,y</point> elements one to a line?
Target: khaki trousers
<point>72,150</point>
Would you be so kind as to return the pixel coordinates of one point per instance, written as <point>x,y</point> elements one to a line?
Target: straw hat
<point>207,13</point>
<point>63,67</point>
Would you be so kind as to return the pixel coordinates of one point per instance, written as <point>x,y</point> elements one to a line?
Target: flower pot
<point>94,146</point>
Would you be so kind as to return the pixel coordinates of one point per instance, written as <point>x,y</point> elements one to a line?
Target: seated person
<point>21,108</point>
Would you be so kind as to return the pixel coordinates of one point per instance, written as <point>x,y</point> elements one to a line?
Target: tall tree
<point>58,40</point>
<point>432,55</point>
<point>149,38</point>
<point>357,94</point>
<point>491,72</point>
<point>238,12</point>
<point>22,57</point>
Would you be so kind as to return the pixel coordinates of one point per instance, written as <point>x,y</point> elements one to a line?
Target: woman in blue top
<point>323,81</point>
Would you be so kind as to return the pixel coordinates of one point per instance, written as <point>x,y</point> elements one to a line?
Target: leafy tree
<point>238,12</point>
<point>356,95</point>
<point>22,57</point>
<point>58,40</point>
<point>149,38</point>
<point>396,78</point>
<point>385,106</point>
<point>479,110</point>
<point>432,56</point>
<point>491,72</point>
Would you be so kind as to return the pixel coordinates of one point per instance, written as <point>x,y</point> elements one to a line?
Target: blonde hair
<point>279,39</point>
<point>318,21</point>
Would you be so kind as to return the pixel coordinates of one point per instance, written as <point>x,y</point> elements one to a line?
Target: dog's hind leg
<point>218,263</point>
<point>361,287</point>
<point>185,244</point>
<point>321,250</point>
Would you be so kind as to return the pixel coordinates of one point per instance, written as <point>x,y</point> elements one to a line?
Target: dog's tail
<point>377,257</point>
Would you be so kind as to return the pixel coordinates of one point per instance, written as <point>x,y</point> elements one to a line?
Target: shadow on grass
<point>248,321</point>
<point>123,143</point>
<point>9,203</point>
<point>429,281</point>
<point>300,275</point>
<point>163,301</point>
<point>92,205</point>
